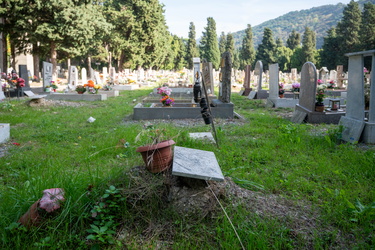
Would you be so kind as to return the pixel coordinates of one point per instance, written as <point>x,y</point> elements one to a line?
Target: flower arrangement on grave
<point>80,89</point>
<point>107,87</point>
<point>54,86</point>
<point>331,84</point>
<point>296,86</point>
<point>320,94</point>
<point>281,89</point>
<point>166,100</point>
<point>13,80</point>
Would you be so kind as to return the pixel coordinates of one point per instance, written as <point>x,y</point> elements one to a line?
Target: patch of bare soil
<point>42,102</point>
<point>194,200</point>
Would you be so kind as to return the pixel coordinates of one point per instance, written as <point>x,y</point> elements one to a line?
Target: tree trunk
<point>4,66</point>
<point>121,61</point>
<point>54,61</point>
<point>36,61</point>
<point>13,53</point>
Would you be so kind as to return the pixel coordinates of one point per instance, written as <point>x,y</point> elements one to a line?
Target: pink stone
<point>51,199</point>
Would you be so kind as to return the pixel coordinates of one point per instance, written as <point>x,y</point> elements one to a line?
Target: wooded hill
<point>319,19</point>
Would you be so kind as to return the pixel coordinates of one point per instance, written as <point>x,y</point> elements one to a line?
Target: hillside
<point>320,19</point>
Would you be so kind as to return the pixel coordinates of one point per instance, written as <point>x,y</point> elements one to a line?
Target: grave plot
<point>305,110</point>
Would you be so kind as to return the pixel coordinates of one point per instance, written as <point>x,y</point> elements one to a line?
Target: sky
<point>232,15</point>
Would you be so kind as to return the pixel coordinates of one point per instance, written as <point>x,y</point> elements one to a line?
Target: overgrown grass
<point>266,153</point>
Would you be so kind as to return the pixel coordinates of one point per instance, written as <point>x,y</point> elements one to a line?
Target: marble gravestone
<point>194,163</point>
<point>73,77</point>
<point>208,77</point>
<point>4,132</point>
<point>225,83</point>
<point>24,74</point>
<point>246,83</point>
<point>258,73</point>
<point>356,128</point>
<point>47,74</point>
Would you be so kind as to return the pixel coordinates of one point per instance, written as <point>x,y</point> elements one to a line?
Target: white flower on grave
<point>51,199</point>
<point>322,86</point>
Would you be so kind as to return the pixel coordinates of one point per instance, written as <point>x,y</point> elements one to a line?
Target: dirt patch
<point>42,102</point>
<point>196,200</point>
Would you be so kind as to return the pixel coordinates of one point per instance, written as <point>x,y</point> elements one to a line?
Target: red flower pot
<point>157,157</point>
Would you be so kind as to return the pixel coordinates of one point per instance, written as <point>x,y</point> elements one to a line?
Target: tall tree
<point>367,31</point>
<point>229,46</point>
<point>267,49</point>
<point>279,42</point>
<point>330,50</point>
<point>209,44</point>
<point>191,48</point>
<point>283,55</point>
<point>222,42</point>
<point>309,45</point>
<point>348,29</point>
<point>294,40</point>
<point>247,51</point>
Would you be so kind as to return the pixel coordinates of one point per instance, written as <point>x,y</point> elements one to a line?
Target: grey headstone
<point>308,86</point>
<point>24,74</point>
<point>258,71</point>
<point>29,93</point>
<point>4,132</point>
<point>195,163</point>
<point>274,81</point>
<point>2,96</point>
<point>252,95</point>
<point>355,98</point>
<point>47,74</point>
<point>352,129</point>
<point>298,116</point>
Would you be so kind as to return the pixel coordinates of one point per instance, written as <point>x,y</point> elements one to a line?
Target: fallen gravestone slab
<point>202,136</point>
<point>195,163</point>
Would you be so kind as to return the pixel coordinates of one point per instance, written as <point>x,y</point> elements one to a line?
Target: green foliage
<point>267,49</point>
<point>294,40</point>
<point>209,47</point>
<point>367,29</point>
<point>309,45</point>
<point>222,42</point>
<point>191,47</point>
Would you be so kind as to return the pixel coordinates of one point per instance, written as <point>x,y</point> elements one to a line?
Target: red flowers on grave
<point>13,80</point>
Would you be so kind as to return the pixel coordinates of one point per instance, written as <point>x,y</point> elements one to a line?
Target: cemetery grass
<point>316,191</point>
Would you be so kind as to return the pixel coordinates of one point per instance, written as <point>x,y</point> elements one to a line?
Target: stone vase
<point>157,157</point>
<point>319,108</point>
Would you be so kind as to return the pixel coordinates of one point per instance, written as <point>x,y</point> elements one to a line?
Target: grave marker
<point>73,77</point>
<point>24,74</point>
<point>83,76</point>
<point>47,74</point>
<point>274,81</point>
<point>226,69</point>
<point>208,76</point>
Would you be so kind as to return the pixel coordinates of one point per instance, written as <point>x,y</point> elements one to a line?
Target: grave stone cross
<point>308,86</point>
<point>47,74</point>
<point>226,69</point>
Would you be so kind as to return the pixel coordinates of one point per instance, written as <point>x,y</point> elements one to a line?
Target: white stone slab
<point>29,93</point>
<point>252,95</point>
<point>195,163</point>
<point>4,132</point>
<point>352,129</point>
<point>202,136</point>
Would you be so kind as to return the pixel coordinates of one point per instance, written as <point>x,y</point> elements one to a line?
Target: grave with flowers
<point>313,106</point>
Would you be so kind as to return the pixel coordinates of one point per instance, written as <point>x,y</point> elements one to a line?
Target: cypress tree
<point>222,42</point>
<point>309,45</point>
<point>229,46</point>
<point>209,44</point>
<point>348,29</point>
<point>330,50</point>
<point>367,31</point>
<point>191,48</point>
<point>247,51</point>
<point>267,49</point>
<point>294,40</point>
<point>279,42</point>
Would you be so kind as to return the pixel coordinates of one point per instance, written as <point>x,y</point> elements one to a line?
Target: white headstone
<point>258,71</point>
<point>274,80</point>
<point>73,77</point>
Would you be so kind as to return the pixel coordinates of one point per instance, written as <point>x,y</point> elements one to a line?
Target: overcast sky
<point>230,15</point>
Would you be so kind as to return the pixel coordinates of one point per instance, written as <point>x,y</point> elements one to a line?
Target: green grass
<point>267,154</point>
